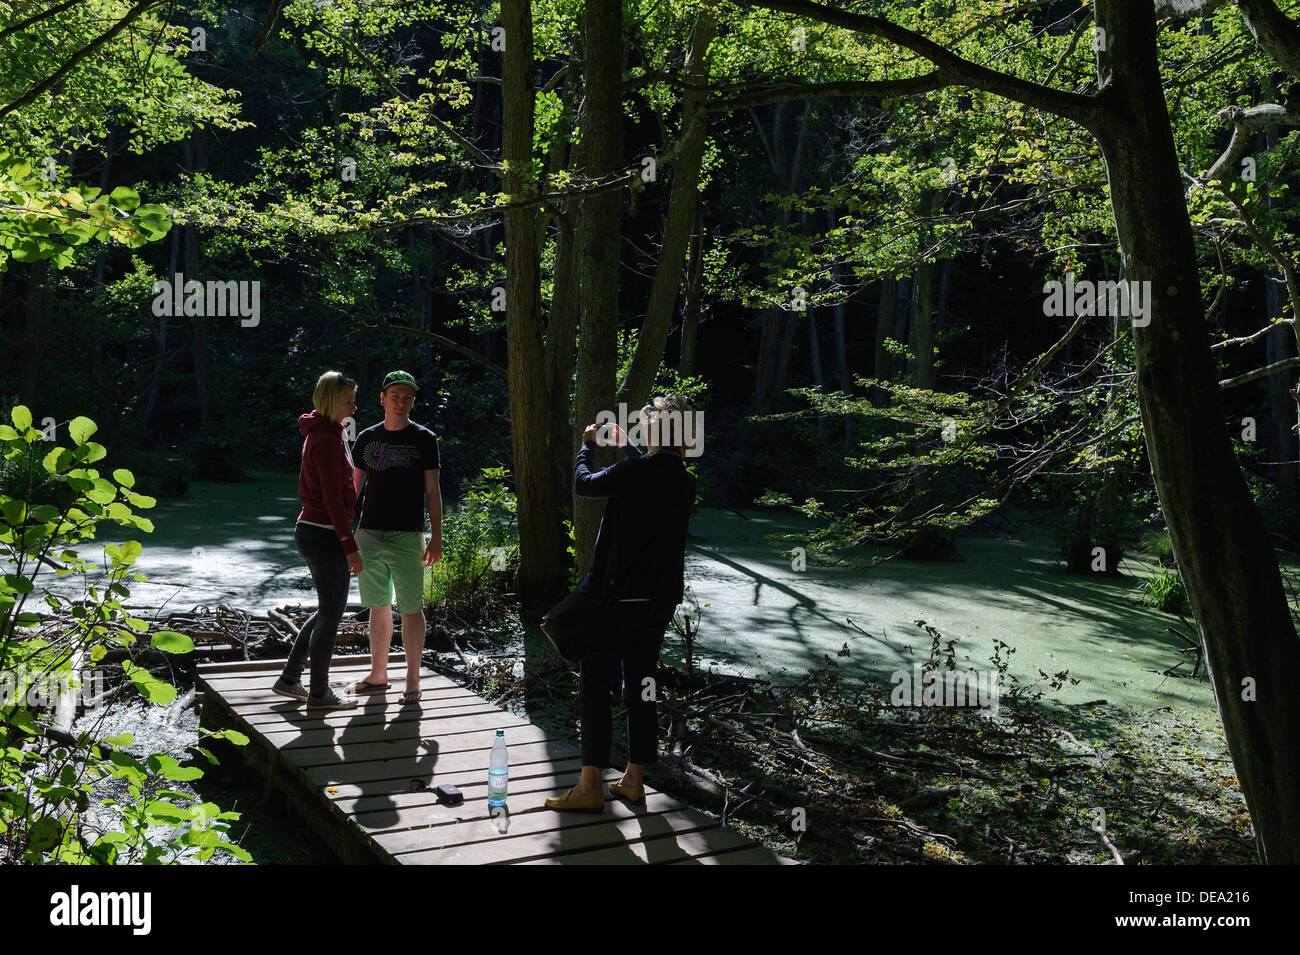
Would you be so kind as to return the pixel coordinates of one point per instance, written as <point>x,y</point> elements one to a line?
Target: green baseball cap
<point>399,378</point>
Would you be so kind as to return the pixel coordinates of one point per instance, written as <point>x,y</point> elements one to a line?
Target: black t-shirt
<point>395,462</point>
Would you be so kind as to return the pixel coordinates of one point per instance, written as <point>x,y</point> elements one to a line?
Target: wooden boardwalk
<point>349,774</point>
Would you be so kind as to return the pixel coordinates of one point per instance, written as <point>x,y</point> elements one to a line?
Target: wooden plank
<point>393,765</point>
<point>445,746</point>
<point>350,772</point>
<point>556,778</point>
<point>450,826</point>
<point>300,724</point>
<point>556,845</point>
<point>249,701</point>
<point>347,660</point>
<point>233,682</point>
<point>407,733</point>
<point>655,849</point>
<point>375,705</point>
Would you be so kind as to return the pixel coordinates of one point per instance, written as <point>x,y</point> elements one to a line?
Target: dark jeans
<point>630,647</point>
<point>329,572</point>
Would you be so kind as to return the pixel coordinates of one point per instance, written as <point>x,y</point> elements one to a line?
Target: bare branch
<point>798,92</point>
<point>1244,123</point>
<point>956,69</point>
<point>1259,373</point>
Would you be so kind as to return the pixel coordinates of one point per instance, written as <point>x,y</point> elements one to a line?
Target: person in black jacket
<point>639,558</point>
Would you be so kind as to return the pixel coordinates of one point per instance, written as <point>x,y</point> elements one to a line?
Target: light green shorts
<point>391,560</point>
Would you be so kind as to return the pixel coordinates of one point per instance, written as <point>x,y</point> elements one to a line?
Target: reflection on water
<point>224,543</point>
<point>233,543</point>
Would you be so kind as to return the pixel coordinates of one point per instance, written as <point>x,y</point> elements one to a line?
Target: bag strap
<point>361,495</point>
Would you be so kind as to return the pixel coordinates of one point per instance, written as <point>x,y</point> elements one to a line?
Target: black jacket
<point>641,545</point>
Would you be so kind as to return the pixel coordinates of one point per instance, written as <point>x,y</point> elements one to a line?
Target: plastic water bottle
<point>497,771</point>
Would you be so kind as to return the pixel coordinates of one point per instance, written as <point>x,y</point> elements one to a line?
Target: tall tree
<point>1221,544</point>
<point>599,237</point>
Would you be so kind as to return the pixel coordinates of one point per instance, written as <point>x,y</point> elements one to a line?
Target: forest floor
<point>825,769</point>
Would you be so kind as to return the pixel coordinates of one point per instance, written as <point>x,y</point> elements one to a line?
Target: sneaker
<point>294,690</point>
<point>330,701</point>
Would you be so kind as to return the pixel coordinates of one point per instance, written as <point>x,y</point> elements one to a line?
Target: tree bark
<point>541,544</point>
<point>691,307</point>
<point>1221,545</point>
<point>201,345</point>
<point>599,240</point>
<point>636,385</point>
<point>38,321</point>
<point>884,327</point>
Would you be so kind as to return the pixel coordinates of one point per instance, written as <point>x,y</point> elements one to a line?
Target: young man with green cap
<point>396,476</point>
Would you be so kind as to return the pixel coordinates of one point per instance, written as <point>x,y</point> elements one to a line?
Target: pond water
<point>233,543</point>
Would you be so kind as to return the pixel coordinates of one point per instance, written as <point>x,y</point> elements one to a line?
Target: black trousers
<point>329,572</point>
<point>627,654</point>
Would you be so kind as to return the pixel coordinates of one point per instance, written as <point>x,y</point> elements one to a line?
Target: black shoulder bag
<point>573,624</point>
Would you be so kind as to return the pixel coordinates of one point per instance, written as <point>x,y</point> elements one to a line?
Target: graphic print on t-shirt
<point>395,462</point>
<point>380,455</point>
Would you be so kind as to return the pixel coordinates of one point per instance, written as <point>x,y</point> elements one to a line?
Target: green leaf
<point>162,809</point>
<point>124,477</point>
<point>125,198</point>
<point>234,736</point>
<point>81,428</point>
<point>22,418</point>
<point>44,513</point>
<point>169,641</point>
<point>90,452</point>
<point>45,833</point>
<point>58,460</point>
<point>21,717</point>
<point>151,688</point>
<point>8,434</point>
<point>168,768</point>
<point>18,583</point>
<point>14,512</point>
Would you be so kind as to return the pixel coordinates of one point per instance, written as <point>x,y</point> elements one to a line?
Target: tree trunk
<point>635,388</point>
<point>541,544</point>
<point>201,347</point>
<point>1221,545</point>
<point>599,239</point>
<point>38,321</point>
<point>884,327</point>
<point>691,308</point>
<point>160,339</point>
<point>1282,406</point>
<point>923,325</point>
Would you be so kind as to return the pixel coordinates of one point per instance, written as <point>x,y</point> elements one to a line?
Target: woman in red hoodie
<point>324,538</point>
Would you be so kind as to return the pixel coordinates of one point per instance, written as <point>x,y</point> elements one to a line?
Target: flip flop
<point>411,696</point>
<point>366,687</point>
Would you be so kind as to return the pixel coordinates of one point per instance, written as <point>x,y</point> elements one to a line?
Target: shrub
<point>48,776</point>
<point>1164,591</point>
<point>480,546</point>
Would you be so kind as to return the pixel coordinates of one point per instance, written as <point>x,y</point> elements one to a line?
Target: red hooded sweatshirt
<point>325,480</point>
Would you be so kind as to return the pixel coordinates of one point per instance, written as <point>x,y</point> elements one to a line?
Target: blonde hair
<point>663,422</point>
<point>331,389</point>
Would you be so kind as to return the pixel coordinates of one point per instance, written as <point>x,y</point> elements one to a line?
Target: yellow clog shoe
<point>594,803</point>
